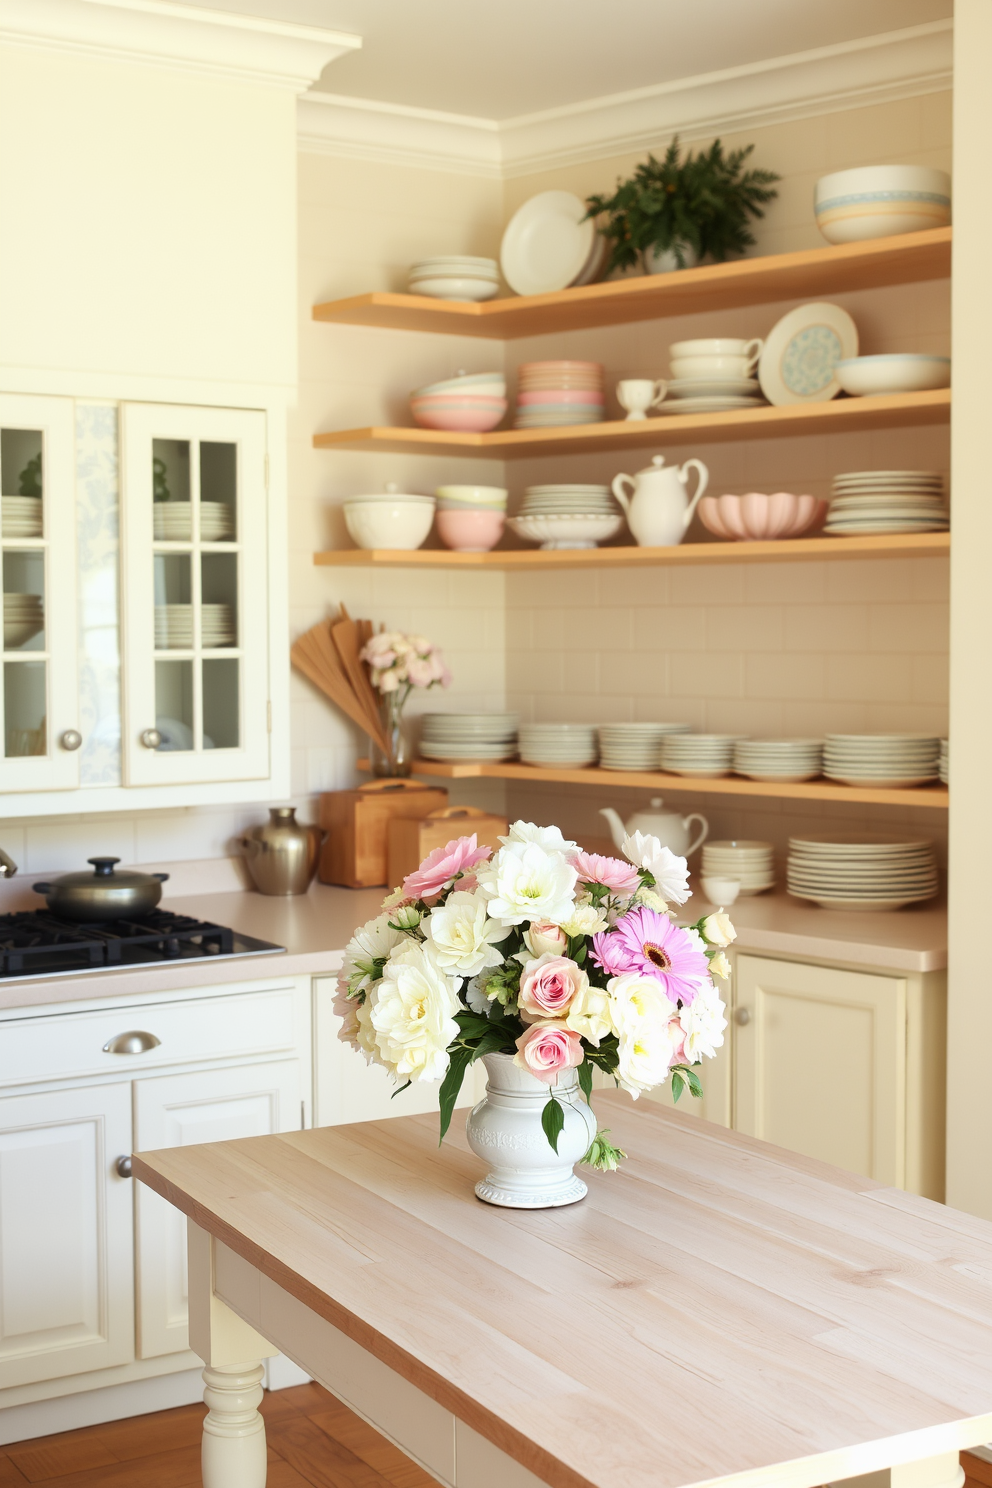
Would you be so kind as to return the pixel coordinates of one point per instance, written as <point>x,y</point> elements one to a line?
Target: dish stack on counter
<point>455,277</point>
<point>698,754</point>
<point>468,736</point>
<point>752,863</point>
<point>567,516</point>
<point>890,760</point>
<point>877,501</point>
<point>778,759</point>
<point>553,394</point>
<point>634,746</point>
<point>566,744</point>
<point>848,873</point>
<point>943,764</point>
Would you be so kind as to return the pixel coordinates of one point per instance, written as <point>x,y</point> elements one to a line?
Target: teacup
<point>720,891</point>
<point>713,368</point>
<point>715,357</point>
<point>717,346</point>
<point>638,394</point>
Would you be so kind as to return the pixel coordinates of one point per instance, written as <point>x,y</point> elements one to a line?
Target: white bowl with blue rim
<point>881,201</point>
<point>896,372</point>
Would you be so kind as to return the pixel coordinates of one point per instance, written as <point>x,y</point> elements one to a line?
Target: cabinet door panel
<point>820,1063</point>
<point>66,1248</point>
<point>180,1111</point>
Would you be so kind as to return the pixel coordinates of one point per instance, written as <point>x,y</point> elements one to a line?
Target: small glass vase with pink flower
<point>397,664</point>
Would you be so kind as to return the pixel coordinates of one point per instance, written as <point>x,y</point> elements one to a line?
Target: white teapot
<point>671,830</point>
<point>659,510</point>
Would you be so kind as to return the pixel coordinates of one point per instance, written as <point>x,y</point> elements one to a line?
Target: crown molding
<point>873,69</point>
<point>184,37</point>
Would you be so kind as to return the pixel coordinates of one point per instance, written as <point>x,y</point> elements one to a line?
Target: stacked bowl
<point>698,754</point>
<point>752,863</point>
<point>389,519</point>
<point>552,394</point>
<point>470,519</point>
<point>943,764</point>
<point>567,516</point>
<point>21,516</point>
<point>870,501</point>
<point>466,404</point>
<point>23,619</point>
<point>891,760</point>
<point>713,375</point>
<point>880,201</point>
<point>455,277</point>
<point>468,736</point>
<point>779,759</point>
<point>567,744</point>
<point>849,873</point>
<point>634,746</point>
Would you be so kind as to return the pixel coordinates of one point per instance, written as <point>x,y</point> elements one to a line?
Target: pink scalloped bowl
<point>465,414</point>
<point>757,517</point>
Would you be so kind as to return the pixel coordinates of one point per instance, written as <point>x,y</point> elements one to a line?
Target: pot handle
<point>621,494</point>
<point>698,841</point>
<point>160,876</point>
<point>704,480</point>
<point>42,888</point>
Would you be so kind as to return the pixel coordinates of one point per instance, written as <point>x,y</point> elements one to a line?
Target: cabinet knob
<point>742,1016</point>
<point>70,739</point>
<point>123,1166</point>
<point>151,738</point>
<point>136,1041</point>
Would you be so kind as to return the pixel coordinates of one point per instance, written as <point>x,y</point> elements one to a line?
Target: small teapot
<point>658,509</point>
<point>671,830</point>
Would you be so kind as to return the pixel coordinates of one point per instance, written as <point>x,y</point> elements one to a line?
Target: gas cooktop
<point>39,943</point>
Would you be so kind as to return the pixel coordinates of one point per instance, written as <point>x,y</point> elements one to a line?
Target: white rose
<point>651,900</point>
<point>644,1055</point>
<point>542,937</point>
<point>637,999</point>
<point>372,942</point>
<point>718,929</point>
<point>550,838</point>
<point>719,965</point>
<point>523,882</point>
<point>702,1024</point>
<point>365,1033</point>
<point>670,872</point>
<point>462,935</point>
<point>585,919</point>
<point>591,1015</point>
<point>413,1014</point>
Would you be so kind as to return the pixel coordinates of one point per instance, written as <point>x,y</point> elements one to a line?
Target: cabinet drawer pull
<point>134,1042</point>
<point>742,1016</point>
<point>123,1166</point>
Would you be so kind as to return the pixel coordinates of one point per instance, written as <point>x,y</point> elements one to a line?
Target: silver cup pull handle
<point>151,738</point>
<point>123,1166</point>
<point>136,1041</point>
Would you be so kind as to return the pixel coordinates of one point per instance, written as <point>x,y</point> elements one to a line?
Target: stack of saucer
<point>455,277</point>
<point>846,873</point>
<point>465,736</point>
<point>551,394</point>
<point>174,627</point>
<point>698,754</point>
<point>881,759</point>
<point>943,764</point>
<point>23,619</point>
<point>753,863</point>
<point>779,759</point>
<point>876,501</point>
<point>571,744</point>
<point>634,746</point>
<point>21,516</point>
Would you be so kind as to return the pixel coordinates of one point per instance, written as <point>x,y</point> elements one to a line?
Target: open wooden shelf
<point>531,560</point>
<point>929,797</point>
<point>814,272</point>
<point>841,415</point>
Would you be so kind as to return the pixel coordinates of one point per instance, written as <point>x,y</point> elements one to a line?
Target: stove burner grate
<point>42,942</point>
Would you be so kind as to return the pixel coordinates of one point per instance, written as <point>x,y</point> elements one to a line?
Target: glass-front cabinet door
<point>38,699</point>
<point>195,630</point>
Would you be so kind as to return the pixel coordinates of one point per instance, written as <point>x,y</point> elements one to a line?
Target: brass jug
<point>282,855</point>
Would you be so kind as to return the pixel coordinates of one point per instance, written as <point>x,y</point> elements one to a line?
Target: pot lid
<point>105,875</point>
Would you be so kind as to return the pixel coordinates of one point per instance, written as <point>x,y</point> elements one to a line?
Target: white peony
<point>670,873</point>
<point>462,936</point>
<point>412,1013</point>
<point>637,999</point>
<point>645,1052</point>
<point>585,919</point>
<point>524,882</point>
<point>702,1024</point>
<point>550,838</point>
<point>590,1015</point>
<point>372,942</point>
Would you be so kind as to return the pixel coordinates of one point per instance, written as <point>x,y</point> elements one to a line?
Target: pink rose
<point>439,867</point>
<point>619,877</point>
<point>549,984</point>
<point>545,1049</point>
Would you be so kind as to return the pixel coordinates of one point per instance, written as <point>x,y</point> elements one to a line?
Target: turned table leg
<point>233,1452</point>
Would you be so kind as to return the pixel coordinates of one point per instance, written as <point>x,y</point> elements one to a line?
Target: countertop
<point>315,928</point>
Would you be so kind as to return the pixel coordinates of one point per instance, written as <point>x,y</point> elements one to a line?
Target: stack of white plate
<point>172,521</point>
<point>634,746</point>
<point>216,521</point>
<point>753,863</point>
<point>698,754</point>
<point>881,759</point>
<point>849,873</point>
<point>569,744</point>
<point>174,627</point>
<point>876,501</point>
<point>711,395</point>
<point>551,243</point>
<point>23,619</point>
<point>464,736</point>
<point>943,764</point>
<point>569,515</point>
<point>779,759</point>
<point>21,516</point>
<point>455,277</point>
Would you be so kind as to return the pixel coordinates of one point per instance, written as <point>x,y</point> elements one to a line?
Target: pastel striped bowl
<point>881,201</point>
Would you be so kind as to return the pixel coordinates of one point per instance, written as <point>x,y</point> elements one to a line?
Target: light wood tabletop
<point>718,1310</point>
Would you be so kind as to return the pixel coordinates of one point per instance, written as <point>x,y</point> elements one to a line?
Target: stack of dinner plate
<point>464,736</point>
<point>698,754</point>
<point>943,762</point>
<point>217,627</point>
<point>850,873</point>
<point>566,744</point>
<point>752,863</point>
<point>634,746</point>
<point>23,619</point>
<point>21,516</point>
<point>779,759</point>
<point>172,521</point>
<point>877,501</point>
<point>174,627</point>
<point>568,499</point>
<point>881,759</point>
<point>216,521</point>
<point>552,394</point>
<point>455,277</point>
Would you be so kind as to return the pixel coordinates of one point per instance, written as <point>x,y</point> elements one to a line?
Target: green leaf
<point>585,1080</point>
<point>678,1085</point>
<point>461,1058</point>
<point>495,1040</point>
<point>553,1120</point>
<point>400,1089</point>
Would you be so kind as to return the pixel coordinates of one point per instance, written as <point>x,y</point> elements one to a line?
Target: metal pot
<point>103,894</point>
<point>282,854</point>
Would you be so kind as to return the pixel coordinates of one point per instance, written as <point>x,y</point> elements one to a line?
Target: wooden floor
<point>314,1442</point>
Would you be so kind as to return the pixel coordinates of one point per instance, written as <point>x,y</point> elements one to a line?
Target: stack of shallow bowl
<point>23,619</point>
<point>634,746</point>
<point>566,744</point>
<point>881,759</point>
<point>471,405</point>
<point>21,516</point>
<point>567,516</point>
<point>470,519</point>
<point>552,394</point>
<point>455,277</point>
<point>751,862</point>
<point>468,736</point>
<point>876,501</point>
<point>943,764</point>
<point>698,754</point>
<point>849,873</point>
<point>779,759</point>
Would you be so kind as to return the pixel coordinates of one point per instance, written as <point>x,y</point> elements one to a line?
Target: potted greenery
<point>674,212</point>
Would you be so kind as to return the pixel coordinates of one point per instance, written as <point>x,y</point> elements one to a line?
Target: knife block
<point>411,840</point>
<point>355,850</point>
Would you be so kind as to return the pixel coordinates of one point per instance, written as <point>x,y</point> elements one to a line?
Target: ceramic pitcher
<point>658,508</point>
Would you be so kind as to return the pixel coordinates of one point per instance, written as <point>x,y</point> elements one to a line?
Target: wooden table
<point>720,1311</point>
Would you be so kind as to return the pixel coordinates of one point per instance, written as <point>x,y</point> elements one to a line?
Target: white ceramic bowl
<point>397,523</point>
<point>455,289</point>
<point>896,372</point>
<point>879,201</point>
<point>564,531</point>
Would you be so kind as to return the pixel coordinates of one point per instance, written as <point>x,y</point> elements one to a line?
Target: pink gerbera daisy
<point>619,877</point>
<point>647,942</point>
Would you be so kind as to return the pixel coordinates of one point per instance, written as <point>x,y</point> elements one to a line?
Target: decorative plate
<point>547,243</point>
<point>799,359</point>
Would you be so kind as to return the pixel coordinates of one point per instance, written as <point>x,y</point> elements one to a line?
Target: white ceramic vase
<point>505,1130</point>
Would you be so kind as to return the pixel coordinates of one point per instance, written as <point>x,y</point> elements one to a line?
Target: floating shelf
<point>932,797</point>
<point>814,272</point>
<point>531,560</point>
<point>840,416</point>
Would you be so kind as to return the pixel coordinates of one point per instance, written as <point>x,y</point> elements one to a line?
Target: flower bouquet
<point>397,664</point>
<point>555,960</point>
